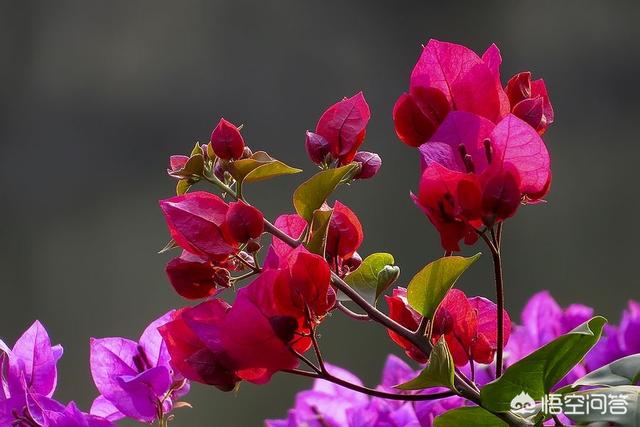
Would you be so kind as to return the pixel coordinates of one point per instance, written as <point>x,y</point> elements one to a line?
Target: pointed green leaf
<point>542,369</point>
<point>319,227</point>
<point>470,416</point>
<point>386,278</point>
<point>258,167</point>
<point>366,278</point>
<point>182,187</point>
<point>624,371</point>
<point>439,371</point>
<point>427,288</point>
<point>312,193</point>
<point>196,149</point>
<point>587,415</point>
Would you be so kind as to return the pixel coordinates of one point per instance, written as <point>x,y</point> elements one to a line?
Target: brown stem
<point>370,391</point>
<point>352,314</point>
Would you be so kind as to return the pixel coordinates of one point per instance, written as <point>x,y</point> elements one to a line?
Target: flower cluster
<point>479,143</point>
<point>28,378</point>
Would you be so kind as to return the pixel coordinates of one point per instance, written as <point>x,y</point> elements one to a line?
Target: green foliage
<point>624,371</point>
<point>372,277</point>
<point>260,166</point>
<point>312,193</point>
<point>319,227</point>
<point>439,371</point>
<point>469,417</point>
<point>631,417</point>
<point>542,369</point>
<point>427,288</point>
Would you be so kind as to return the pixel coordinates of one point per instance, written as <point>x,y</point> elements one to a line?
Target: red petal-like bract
<point>195,222</point>
<point>400,311</point>
<point>226,141</point>
<point>370,164</point>
<point>243,222</point>
<point>192,276</point>
<point>485,342</point>
<point>344,126</point>
<point>463,77</point>
<point>345,232</point>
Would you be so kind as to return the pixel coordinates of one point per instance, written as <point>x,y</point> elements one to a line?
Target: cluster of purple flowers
<point>134,378</point>
<point>542,321</point>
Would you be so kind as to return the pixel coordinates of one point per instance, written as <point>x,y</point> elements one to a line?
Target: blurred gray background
<point>94,97</point>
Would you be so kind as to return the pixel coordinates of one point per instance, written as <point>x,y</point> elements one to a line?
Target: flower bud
<point>221,277</point>
<point>243,222</point>
<point>519,87</point>
<point>370,162</point>
<point>246,153</point>
<point>253,246</point>
<point>318,148</point>
<point>191,276</point>
<point>226,141</point>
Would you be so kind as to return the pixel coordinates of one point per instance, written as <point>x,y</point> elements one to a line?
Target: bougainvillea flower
<point>220,344</point>
<point>401,312</point>
<point>196,360</point>
<point>243,222</point>
<point>177,163</point>
<point>195,221</point>
<point>467,324</point>
<point>449,77</point>
<point>194,277</point>
<point>226,141</point>
<point>529,101</point>
<point>345,234</point>
<point>343,126</point>
<point>370,164</point>
<point>27,382</point>
<point>476,172</point>
<point>135,377</point>
<point>617,341</point>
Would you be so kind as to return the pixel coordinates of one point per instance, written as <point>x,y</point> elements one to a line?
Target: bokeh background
<point>94,97</point>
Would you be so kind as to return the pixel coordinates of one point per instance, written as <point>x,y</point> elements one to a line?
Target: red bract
<point>343,126</point>
<point>400,311</point>
<point>345,234</point>
<point>190,356</point>
<point>318,148</point>
<point>177,162</point>
<point>469,327</point>
<point>255,337</point>
<point>226,141</point>
<point>194,277</point>
<point>292,225</point>
<point>243,222</point>
<point>195,222</point>
<point>418,114</point>
<point>529,101</point>
<point>475,171</point>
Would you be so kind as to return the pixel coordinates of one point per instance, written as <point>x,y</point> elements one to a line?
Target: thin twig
<point>352,314</point>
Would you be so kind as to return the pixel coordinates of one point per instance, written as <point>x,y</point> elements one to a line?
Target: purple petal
<point>630,329</point>
<point>140,394</point>
<point>575,315</point>
<point>396,371</point>
<point>103,408</point>
<point>152,343</point>
<point>111,358</point>
<point>34,356</point>
<point>541,317</point>
<point>332,389</point>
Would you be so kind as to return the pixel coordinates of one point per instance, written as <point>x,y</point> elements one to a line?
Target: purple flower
<point>28,377</point>
<point>617,341</point>
<point>134,378</point>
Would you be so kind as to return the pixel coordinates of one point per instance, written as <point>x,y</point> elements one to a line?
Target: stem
<point>352,314</point>
<point>497,270</point>
<point>369,391</point>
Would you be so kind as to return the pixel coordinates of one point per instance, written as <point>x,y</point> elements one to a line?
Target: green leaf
<point>386,278</point>
<point>439,371</point>
<point>470,416</point>
<point>427,288</point>
<point>587,415</point>
<point>319,228</point>
<point>366,279</point>
<point>542,369</point>
<point>182,187</point>
<point>312,193</point>
<point>260,166</point>
<point>624,371</point>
